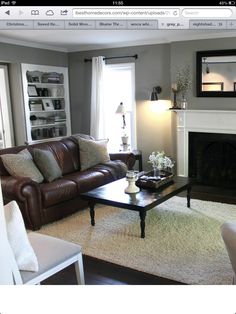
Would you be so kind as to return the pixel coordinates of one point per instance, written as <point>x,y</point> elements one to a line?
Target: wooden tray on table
<point>146,180</point>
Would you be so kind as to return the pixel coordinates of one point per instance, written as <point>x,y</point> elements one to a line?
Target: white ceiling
<point>79,40</point>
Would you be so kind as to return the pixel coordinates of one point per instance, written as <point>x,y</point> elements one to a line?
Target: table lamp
<point>122,110</point>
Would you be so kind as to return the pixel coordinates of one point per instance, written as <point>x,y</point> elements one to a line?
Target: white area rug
<point>181,244</point>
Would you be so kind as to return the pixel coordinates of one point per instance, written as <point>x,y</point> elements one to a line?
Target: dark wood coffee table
<point>113,194</point>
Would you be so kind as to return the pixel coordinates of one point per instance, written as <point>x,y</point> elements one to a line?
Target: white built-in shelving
<point>46,102</point>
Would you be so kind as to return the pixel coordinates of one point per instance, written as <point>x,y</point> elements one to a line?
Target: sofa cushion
<point>86,180</point>
<point>22,165</point>
<point>116,169</point>
<point>92,152</point>
<point>58,191</point>
<point>47,164</point>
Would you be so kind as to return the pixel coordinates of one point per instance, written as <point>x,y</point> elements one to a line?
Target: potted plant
<point>160,162</point>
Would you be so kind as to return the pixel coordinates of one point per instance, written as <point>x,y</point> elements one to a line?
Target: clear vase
<point>156,172</point>
<point>183,102</point>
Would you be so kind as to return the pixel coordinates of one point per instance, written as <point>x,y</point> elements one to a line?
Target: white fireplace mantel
<point>207,121</point>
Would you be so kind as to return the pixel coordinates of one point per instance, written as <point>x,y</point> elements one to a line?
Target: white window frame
<point>132,115</point>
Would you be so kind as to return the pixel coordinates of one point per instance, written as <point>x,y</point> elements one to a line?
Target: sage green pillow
<point>92,152</point>
<point>47,164</point>
<point>22,165</point>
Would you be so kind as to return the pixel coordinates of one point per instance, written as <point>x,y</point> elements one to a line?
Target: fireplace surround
<point>220,126</point>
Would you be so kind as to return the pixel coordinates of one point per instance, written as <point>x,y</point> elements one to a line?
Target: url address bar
<point>124,13</point>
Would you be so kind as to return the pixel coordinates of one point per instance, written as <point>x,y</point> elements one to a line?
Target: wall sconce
<point>154,94</point>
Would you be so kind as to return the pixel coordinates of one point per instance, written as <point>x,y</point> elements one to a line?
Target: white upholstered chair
<point>41,255</point>
<point>228,232</point>
<point>53,255</point>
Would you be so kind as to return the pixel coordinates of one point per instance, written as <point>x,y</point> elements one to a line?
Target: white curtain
<point>97,125</point>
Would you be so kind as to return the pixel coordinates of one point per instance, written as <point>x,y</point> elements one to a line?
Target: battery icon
<point>231,3</point>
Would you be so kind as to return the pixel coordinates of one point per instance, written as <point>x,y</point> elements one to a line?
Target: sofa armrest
<point>128,158</point>
<point>27,192</point>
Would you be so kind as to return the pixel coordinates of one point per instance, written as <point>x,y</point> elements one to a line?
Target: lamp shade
<point>121,109</point>
<point>154,94</point>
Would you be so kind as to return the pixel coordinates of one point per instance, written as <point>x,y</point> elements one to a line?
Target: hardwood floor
<point>98,272</point>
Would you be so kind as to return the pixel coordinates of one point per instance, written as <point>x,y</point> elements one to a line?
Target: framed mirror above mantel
<point>216,73</point>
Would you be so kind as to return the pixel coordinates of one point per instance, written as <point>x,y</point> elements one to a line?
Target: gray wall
<point>21,54</point>
<point>156,65</point>
<point>152,68</point>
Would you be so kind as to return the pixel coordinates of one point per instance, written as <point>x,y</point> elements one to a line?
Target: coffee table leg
<point>142,215</point>
<point>188,196</point>
<point>92,213</point>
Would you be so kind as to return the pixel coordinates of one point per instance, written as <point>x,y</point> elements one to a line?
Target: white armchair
<point>53,255</point>
<point>34,257</point>
<point>228,232</point>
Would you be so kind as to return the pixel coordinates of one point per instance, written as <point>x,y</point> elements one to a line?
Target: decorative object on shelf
<point>147,180</point>
<point>32,91</point>
<point>57,91</point>
<point>40,92</point>
<point>35,105</point>
<point>160,162</point>
<point>45,92</point>
<point>154,94</point>
<point>33,119</point>
<point>47,104</point>
<point>122,110</point>
<point>175,91</point>
<point>132,177</point>
<point>57,104</point>
<point>183,83</point>
<point>34,76</point>
<point>52,77</point>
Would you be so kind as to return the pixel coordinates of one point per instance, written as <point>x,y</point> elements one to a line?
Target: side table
<point>138,156</point>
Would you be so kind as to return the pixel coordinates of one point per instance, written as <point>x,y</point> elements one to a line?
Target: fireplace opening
<point>212,159</point>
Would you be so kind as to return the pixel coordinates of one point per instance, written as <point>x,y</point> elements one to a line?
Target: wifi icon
<point>13,2</point>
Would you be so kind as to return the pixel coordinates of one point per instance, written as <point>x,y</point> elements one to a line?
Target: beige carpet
<point>181,244</point>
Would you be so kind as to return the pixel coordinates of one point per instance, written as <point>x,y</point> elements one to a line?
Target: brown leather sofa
<point>46,202</point>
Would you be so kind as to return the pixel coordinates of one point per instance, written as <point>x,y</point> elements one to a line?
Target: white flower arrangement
<point>160,161</point>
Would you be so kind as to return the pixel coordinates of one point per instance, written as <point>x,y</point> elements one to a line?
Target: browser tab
<point>46,24</point>
<point>142,24</point>
<point>16,24</point>
<point>207,24</point>
<point>84,24</point>
<point>170,24</point>
<point>111,24</point>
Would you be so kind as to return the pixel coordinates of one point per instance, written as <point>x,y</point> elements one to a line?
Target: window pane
<point>118,88</point>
